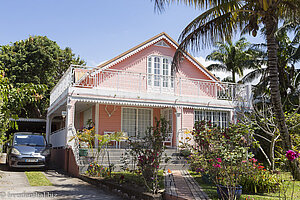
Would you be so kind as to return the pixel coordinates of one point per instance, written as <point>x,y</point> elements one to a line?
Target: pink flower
<point>217,166</point>
<point>292,155</point>
<point>253,160</point>
<point>244,161</point>
<point>219,160</point>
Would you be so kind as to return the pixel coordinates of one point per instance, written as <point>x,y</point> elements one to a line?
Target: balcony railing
<point>121,80</point>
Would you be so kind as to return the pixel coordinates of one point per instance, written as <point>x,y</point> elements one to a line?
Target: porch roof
<point>143,103</point>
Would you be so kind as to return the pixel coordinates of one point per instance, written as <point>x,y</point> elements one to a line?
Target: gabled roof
<point>148,43</point>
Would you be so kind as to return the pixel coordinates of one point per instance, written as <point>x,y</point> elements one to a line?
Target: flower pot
<point>224,191</point>
<point>83,152</point>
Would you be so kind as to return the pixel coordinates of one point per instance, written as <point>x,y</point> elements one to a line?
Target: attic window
<point>162,44</point>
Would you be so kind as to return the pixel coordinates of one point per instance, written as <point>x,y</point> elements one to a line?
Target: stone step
<point>115,161</point>
<point>119,158</point>
<point>122,152</point>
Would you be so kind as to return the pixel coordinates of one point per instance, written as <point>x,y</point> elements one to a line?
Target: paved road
<point>14,185</point>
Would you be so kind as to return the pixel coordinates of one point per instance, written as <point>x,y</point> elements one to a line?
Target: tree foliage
<point>38,61</point>
<point>222,19</point>
<point>12,100</point>
<point>234,58</point>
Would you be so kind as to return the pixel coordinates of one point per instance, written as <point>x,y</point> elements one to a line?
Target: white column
<point>178,125</point>
<point>97,112</point>
<point>70,121</point>
<point>48,128</point>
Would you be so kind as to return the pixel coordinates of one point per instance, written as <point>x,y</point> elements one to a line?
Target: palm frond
<point>217,67</point>
<point>252,75</point>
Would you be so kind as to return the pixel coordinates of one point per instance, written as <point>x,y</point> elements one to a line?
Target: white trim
<point>97,122</point>
<point>143,103</point>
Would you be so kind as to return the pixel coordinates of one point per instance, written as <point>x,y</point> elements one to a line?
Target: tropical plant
<point>12,100</point>
<point>234,58</point>
<point>222,19</point>
<point>148,154</point>
<point>38,61</point>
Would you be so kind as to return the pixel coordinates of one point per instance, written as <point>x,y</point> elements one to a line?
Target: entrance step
<point>114,156</point>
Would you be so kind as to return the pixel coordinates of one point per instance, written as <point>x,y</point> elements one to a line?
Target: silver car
<point>28,150</point>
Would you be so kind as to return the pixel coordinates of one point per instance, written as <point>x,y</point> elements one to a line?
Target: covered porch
<point>133,119</point>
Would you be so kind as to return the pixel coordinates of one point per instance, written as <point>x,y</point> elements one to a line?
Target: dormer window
<point>160,75</point>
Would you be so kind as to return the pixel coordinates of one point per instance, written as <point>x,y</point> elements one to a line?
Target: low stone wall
<point>64,159</point>
<point>122,190</point>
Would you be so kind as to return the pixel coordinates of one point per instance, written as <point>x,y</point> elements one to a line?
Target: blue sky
<point>96,30</point>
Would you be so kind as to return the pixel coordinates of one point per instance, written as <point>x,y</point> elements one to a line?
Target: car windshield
<point>30,140</point>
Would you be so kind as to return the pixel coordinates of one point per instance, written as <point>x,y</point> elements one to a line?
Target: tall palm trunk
<point>270,23</point>
<point>233,76</point>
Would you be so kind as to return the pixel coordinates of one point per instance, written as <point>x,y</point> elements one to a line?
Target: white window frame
<point>137,118</point>
<point>208,115</point>
<point>162,81</point>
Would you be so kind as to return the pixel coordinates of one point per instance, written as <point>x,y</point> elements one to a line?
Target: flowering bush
<point>223,156</point>
<point>148,154</point>
<point>95,169</point>
<point>256,179</point>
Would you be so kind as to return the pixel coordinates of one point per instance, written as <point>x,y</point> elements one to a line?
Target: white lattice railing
<point>121,80</point>
<point>65,81</point>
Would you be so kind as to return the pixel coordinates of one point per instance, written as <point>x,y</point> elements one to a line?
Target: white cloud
<point>220,74</point>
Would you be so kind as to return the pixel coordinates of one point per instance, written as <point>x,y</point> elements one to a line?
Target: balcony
<point>125,81</point>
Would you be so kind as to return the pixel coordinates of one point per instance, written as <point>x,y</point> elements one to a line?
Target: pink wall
<point>156,114</point>
<point>188,118</point>
<point>112,123</point>
<point>138,62</point>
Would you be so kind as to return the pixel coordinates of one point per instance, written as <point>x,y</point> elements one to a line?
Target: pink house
<point>129,91</point>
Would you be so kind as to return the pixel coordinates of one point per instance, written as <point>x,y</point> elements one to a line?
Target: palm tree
<point>288,56</point>
<point>234,58</point>
<point>224,18</point>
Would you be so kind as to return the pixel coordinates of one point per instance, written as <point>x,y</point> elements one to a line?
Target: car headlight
<point>15,151</point>
<point>46,152</point>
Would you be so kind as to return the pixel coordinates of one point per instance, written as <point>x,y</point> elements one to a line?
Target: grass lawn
<point>288,186</point>
<point>37,179</point>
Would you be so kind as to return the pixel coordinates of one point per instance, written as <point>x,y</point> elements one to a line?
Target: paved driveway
<point>14,185</point>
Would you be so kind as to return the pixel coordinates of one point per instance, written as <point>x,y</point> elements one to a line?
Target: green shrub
<point>95,169</point>
<point>257,179</point>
